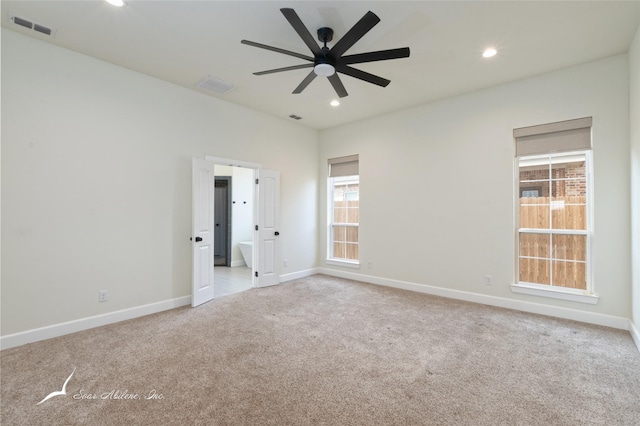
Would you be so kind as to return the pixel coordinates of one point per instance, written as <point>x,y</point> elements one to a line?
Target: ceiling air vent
<point>295,117</point>
<point>215,85</point>
<point>26,23</point>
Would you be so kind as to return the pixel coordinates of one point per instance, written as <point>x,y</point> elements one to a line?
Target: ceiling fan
<point>329,62</point>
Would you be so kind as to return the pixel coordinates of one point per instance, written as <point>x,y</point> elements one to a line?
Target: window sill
<point>555,293</point>
<point>348,263</point>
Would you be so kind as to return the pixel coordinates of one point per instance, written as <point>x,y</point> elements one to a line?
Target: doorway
<point>234,227</point>
<point>259,239</point>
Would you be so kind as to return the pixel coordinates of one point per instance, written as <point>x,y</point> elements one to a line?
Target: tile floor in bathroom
<point>228,280</point>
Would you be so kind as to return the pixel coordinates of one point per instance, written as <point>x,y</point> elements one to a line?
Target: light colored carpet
<point>323,350</point>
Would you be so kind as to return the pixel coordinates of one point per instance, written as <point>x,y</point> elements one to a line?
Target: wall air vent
<point>26,23</point>
<point>295,117</point>
<point>215,85</point>
<point>23,22</point>
<point>41,29</point>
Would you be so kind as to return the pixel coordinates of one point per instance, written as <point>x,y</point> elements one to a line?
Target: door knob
<point>198,239</point>
<point>276,233</point>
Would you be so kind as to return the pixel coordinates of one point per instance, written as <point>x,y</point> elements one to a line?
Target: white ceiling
<point>183,41</point>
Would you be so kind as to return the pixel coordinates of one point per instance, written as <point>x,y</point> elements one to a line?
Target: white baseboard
<point>520,305</point>
<point>299,274</point>
<point>56,330</point>
<point>635,334</point>
<point>236,263</point>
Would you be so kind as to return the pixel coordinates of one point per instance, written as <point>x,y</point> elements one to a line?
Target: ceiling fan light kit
<point>324,70</point>
<point>331,62</point>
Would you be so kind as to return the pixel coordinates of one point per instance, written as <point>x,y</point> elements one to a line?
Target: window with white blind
<point>553,169</point>
<point>343,215</point>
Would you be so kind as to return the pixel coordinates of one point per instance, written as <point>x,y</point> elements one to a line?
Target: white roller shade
<point>570,135</point>
<point>344,166</point>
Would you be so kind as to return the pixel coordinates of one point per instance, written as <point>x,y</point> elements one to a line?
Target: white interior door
<point>203,187</point>
<point>266,247</point>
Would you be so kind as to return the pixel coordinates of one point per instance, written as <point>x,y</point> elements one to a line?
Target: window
<point>343,215</point>
<point>554,210</point>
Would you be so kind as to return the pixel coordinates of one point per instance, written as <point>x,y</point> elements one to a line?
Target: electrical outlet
<point>103,296</point>
<point>285,263</point>
<point>369,264</point>
<point>487,280</point>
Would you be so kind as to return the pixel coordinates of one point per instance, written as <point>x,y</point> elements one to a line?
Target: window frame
<point>331,259</point>
<point>587,295</point>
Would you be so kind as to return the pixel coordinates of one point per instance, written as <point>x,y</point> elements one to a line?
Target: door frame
<point>220,161</point>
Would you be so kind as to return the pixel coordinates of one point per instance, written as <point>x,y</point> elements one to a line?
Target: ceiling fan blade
<point>368,21</point>
<point>369,78</point>
<point>277,49</point>
<point>294,67</point>
<point>302,31</point>
<point>337,85</point>
<point>308,79</point>
<point>380,55</point>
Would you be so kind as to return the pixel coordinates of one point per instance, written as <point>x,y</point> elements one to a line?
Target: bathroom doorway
<point>259,207</point>
<point>234,222</point>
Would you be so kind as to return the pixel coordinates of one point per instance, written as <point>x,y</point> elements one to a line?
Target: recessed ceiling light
<point>116,2</point>
<point>334,103</point>
<point>489,53</point>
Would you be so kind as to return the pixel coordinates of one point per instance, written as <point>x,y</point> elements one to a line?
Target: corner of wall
<point>635,334</point>
<point>634,133</point>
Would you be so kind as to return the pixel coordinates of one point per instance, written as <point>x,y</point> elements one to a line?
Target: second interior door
<point>222,237</point>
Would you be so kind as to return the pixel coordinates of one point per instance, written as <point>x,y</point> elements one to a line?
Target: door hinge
<point>257,181</point>
<point>256,227</point>
<point>256,274</point>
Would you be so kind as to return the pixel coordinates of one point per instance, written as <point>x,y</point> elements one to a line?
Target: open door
<point>266,246</point>
<point>203,187</point>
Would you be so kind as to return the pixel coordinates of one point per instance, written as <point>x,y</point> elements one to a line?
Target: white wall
<point>242,225</point>
<point>96,182</point>
<point>437,183</point>
<point>634,73</point>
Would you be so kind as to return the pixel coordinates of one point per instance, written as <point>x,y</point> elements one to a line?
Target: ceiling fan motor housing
<point>324,57</point>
